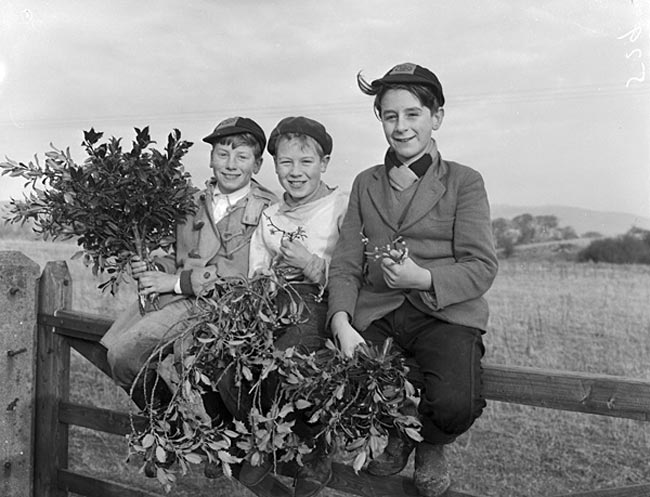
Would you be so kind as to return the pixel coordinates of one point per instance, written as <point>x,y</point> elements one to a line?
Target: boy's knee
<point>452,413</point>
<point>122,361</point>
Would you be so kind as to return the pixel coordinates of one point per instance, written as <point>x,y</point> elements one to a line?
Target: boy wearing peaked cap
<point>210,245</point>
<point>428,299</point>
<point>301,149</point>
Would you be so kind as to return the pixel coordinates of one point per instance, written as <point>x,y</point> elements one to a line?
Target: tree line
<point>526,228</point>
<point>632,247</point>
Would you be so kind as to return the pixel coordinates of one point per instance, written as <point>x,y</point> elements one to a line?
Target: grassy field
<point>562,315</point>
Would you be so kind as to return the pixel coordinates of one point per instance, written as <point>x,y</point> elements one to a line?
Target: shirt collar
<point>232,197</point>
<point>420,165</point>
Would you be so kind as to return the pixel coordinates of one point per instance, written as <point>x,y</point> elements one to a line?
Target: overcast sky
<point>549,100</point>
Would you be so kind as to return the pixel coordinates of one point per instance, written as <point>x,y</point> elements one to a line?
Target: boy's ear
<point>324,162</point>
<point>258,165</point>
<point>438,117</point>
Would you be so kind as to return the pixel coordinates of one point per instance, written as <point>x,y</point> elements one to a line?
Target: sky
<point>548,100</point>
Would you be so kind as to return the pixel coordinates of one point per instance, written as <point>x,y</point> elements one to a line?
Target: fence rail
<point>60,329</point>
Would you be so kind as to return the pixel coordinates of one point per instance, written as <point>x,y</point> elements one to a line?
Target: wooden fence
<point>59,329</point>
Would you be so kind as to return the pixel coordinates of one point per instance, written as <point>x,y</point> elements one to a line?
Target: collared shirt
<point>221,202</point>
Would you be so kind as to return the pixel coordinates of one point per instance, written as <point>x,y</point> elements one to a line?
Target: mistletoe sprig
<point>379,253</point>
<point>117,204</point>
<point>353,402</point>
<point>231,332</point>
<point>298,234</point>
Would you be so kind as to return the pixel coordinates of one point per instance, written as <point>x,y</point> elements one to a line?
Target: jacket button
<point>206,275</point>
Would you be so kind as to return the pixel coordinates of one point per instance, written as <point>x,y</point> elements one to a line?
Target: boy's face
<point>407,123</point>
<point>299,168</point>
<point>233,167</point>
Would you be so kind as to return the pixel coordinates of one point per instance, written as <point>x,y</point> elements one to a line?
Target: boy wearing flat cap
<point>301,149</point>
<point>211,244</point>
<point>426,293</point>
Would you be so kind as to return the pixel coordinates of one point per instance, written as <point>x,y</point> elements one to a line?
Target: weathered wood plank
<point>93,487</point>
<point>366,485</point>
<point>565,390</point>
<point>633,491</point>
<point>270,486</point>
<point>98,419</point>
<point>77,324</point>
<point>52,384</point>
<point>93,351</point>
<point>569,391</point>
<point>18,300</point>
<point>344,479</point>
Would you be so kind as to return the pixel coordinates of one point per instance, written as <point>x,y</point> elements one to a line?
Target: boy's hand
<point>156,282</point>
<point>294,253</point>
<point>405,274</point>
<point>347,337</point>
<point>138,266</point>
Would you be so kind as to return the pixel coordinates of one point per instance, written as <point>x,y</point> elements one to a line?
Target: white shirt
<point>221,202</point>
<point>320,220</point>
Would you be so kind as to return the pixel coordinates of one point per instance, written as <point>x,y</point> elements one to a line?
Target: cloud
<point>513,74</point>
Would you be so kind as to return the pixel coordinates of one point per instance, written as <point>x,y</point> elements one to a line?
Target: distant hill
<point>581,220</point>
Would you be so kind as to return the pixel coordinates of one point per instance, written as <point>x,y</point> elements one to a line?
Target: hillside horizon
<point>582,220</point>
<point>608,223</point>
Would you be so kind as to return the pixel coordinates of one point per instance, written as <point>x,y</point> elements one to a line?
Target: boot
<point>151,389</point>
<point>394,458</point>
<point>215,408</point>
<point>251,475</point>
<point>314,474</point>
<point>431,475</point>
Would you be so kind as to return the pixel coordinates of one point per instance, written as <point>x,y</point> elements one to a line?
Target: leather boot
<point>251,475</point>
<point>314,474</point>
<point>151,391</point>
<point>394,458</point>
<point>431,475</point>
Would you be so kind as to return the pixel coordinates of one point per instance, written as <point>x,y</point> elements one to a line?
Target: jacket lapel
<point>379,191</point>
<point>428,194</point>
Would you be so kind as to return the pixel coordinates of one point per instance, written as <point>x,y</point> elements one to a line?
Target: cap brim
<point>396,79</point>
<point>232,130</point>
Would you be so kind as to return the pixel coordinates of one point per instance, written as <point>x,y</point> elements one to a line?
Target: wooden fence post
<point>52,383</point>
<point>18,278</point>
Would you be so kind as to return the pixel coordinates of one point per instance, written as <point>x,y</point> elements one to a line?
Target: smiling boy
<point>210,245</point>
<point>301,149</point>
<point>429,300</point>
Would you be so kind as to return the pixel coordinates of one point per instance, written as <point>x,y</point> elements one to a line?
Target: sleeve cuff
<point>185,283</point>
<point>429,296</point>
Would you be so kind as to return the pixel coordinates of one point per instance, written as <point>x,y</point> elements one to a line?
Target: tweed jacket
<point>447,230</point>
<point>206,251</point>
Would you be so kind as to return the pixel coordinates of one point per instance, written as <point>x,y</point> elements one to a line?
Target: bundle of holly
<point>117,204</point>
<point>352,403</point>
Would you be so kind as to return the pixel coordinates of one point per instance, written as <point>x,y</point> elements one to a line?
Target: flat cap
<point>236,126</point>
<point>409,73</point>
<point>302,125</point>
